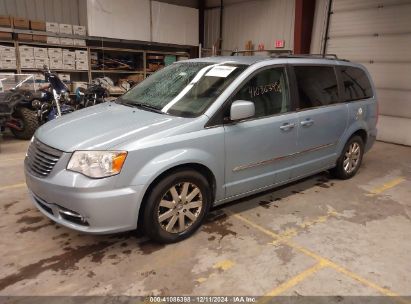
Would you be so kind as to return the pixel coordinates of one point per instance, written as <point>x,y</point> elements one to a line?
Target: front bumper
<point>79,203</point>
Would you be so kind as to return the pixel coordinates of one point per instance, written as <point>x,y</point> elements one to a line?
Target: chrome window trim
<point>271,160</point>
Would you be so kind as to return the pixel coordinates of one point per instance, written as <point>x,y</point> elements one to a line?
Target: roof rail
<point>321,56</point>
<point>326,56</point>
<point>287,54</point>
<point>271,52</point>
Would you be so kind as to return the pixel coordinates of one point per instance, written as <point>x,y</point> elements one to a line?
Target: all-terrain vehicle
<point>17,105</point>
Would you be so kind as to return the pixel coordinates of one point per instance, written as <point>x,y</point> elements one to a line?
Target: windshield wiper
<point>148,107</point>
<point>140,105</point>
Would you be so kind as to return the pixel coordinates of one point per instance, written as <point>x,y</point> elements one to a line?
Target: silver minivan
<point>197,134</point>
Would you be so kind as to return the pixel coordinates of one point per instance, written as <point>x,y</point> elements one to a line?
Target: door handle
<point>287,126</point>
<point>307,122</point>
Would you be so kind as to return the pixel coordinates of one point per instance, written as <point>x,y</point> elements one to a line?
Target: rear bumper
<point>372,136</point>
<point>98,209</point>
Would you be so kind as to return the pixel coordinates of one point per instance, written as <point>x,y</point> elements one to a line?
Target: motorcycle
<point>94,94</point>
<point>54,100</point>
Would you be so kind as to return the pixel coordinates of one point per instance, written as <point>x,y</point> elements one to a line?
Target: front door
<point>257,148</point>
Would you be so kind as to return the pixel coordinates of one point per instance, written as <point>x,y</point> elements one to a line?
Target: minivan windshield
<point>184,89</point>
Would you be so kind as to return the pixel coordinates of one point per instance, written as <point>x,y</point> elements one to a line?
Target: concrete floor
<point>319,236</point>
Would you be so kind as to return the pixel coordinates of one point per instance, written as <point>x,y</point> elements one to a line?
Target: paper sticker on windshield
<point>220,71</point>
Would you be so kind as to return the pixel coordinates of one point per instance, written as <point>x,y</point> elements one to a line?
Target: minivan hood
<point>104,126</point>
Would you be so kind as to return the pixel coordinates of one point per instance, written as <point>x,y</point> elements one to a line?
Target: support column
<point>303,25</point>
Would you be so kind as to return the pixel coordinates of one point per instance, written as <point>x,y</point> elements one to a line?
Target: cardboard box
<point>40,52</point>
<point>24,37</point>
<point>53,40</point>
<point>55,53</point>
<point>5,36</point>
<point>81,55</point>
<point>8,63</point>
<point>66,29</point>
<point>6,21</point>
<point>69,66</point>
<point>64,77</point>
<point>40,38</point>
<point>26,51</point>
<point>27,63</point>
<point>66,41</point>
<point>21,23</point>
<point>8,52</point>
<point>79,42</point>
<point>56,64</point>
<point>37,25</point>
<point>69,56</point>
<point>81,65</point>
<point>79,30</point>
<point>52,27</point>
<point>39,63</point>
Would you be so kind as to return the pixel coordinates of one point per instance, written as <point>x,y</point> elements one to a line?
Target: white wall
<point>123,19</point>
<point>261,21</point>
<point>174,24</point>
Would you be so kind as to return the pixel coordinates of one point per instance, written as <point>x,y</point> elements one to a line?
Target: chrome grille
<point>41,158</point>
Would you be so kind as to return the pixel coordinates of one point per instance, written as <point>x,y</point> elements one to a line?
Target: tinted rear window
<point>317,86</point>
<point>356,84</point>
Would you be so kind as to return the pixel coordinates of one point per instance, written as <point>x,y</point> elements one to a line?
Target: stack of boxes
<point>56,58</point>
<point>38,57</point>
<point>81,60</point>
<point>41,57</point>
<point>66,29</point>
<point>69,59</point>
<point>26,57</point>
<point>8,57</point>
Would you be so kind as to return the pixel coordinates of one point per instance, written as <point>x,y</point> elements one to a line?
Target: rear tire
<point>29,121</point>
<point>350,159</point>
<point>176,206</point>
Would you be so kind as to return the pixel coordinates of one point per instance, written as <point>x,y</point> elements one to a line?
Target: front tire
<point>176,206</point>
<point>350,159</point>
<point>29,123</point>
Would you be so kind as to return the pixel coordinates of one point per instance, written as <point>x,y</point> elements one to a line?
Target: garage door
<point>378,35</point>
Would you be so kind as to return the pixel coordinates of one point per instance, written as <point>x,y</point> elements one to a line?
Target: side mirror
<point>242,109</point>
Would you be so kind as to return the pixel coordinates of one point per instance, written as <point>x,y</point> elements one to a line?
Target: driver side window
<point>268,90</point>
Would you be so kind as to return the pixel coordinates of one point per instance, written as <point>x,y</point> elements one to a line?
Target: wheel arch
<point>202,169</point>
<point>357,129</point>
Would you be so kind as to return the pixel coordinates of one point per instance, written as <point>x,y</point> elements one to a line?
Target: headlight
<point>97,164</point>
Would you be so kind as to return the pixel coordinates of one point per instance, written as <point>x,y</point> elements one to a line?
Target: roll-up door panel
<point>378,35</point>
<point>394,129</point>
<point>376,49</point>
<point>392,100</point>
<point>389,20</point>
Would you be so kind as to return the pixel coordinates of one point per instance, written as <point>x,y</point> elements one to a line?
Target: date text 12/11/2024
<point>202,299</point>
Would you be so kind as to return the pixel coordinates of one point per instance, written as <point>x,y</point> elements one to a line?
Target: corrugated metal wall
<point>378,35</point>
<point>62,11</point>
<point>261,21</point>
<point>211,26</point>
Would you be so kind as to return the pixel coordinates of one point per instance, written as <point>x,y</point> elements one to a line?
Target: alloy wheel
<point>352,157</point>
<point>180,207</point>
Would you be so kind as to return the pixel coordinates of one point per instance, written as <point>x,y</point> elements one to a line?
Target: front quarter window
<point>183,89</point>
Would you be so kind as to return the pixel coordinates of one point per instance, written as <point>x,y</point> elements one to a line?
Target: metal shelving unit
<point>141,50</point>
